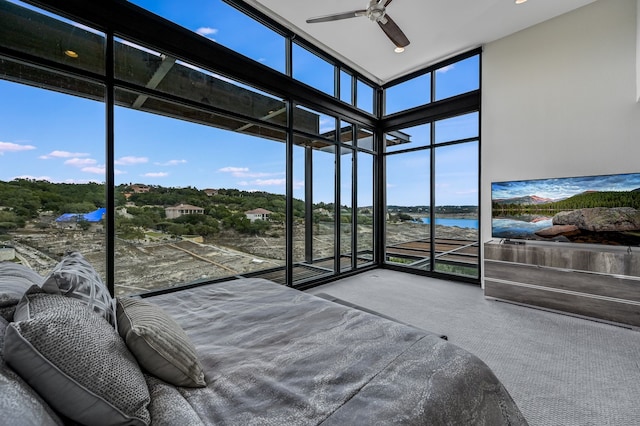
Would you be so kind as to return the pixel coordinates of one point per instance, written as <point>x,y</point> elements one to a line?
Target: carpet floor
<point>560,370</point>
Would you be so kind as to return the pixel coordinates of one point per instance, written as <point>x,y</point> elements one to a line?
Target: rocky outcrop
<point>601,219</point>
<point>556,230</point>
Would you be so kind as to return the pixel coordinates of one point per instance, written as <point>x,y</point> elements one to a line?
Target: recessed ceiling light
<point>399,49</point>
<point>71,53</point>
<point>520,1</point>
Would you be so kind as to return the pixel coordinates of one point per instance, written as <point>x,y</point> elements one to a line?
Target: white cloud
<point>130,160</point>
<point>206,31</point>
<point>14,147</point>
<point>243,172</point>
<point>80,162</point>
<point>156,174</point>
<point>231,169</point>
<point>98,170</point>
<point>270,182</point>
<point>256,174</point>
<point>171,163</point>
<point>82,181</point>
<point>63,154</point>
<point>446,69</point>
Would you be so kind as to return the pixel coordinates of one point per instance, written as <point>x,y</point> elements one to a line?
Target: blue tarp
<point>94,216</point>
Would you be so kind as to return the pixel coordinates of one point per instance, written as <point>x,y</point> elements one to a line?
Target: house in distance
<point>182,209</point>
<point>258,214</point>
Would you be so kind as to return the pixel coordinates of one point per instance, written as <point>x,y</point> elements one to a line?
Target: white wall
<point>560,99</point>
<point>638,51</point>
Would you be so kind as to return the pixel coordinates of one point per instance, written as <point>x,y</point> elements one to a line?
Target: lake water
<point>515,228</point>
<point>460,223</point>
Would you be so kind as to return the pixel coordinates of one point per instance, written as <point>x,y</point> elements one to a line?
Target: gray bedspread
<point>277,356</point>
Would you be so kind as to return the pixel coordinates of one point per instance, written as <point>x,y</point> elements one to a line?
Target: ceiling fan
<point>376,12</point>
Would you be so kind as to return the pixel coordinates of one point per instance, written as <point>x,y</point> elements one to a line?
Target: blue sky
<point>560,188</point>
<point>60,138</point>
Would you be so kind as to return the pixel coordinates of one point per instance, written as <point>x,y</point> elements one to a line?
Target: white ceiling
<point>437,29</point>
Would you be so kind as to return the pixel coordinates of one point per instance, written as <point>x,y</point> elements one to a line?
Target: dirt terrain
<point>157,263</point>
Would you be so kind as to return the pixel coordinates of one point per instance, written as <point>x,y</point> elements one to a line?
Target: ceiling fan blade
<point>387,3</point>
<point>337,16</point>
<point>393,31</point>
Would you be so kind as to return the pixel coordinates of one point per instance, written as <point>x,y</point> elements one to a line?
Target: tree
<point>177,229</point>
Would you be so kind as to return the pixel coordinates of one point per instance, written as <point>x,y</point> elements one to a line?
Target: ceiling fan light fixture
<point>520,1</point>
<point>376,12</point>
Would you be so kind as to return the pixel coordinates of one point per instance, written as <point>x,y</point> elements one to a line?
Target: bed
<point>274,355</point>
<point>268,354</point>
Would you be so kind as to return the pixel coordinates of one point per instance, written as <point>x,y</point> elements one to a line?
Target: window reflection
<point>157,71</point>
<point>33,31</point>
<point>219,22</point>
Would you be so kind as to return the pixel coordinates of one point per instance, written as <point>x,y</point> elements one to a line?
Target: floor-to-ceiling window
<point>199,170</point>
<point>197,175</point>
<point>432,170</point>
<point>209,210</point>
<point>365,195</point>
<point>52,161</point>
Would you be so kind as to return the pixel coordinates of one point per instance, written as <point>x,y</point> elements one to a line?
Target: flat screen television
<point>602,209</point>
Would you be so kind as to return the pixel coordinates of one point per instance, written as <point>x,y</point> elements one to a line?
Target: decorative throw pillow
<point>77,362</point>
<point>15,279</point>
<point>159,343</point>
<point>20,404</point>
<point>75,277</point>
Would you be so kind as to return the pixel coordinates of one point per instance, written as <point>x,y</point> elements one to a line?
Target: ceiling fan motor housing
<point>376,12</point>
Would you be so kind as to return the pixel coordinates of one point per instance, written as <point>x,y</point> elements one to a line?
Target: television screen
<point>589,209</point>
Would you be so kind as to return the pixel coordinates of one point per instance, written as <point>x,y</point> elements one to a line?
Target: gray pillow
<point>77,362</point>
<point>15,279</point>
<point>158,342</point>
<point>75,277</point>
<point>20,404</point>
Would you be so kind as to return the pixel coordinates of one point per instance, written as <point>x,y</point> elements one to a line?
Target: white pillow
<point>75,277</point>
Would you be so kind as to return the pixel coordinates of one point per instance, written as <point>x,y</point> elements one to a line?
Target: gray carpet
<point>560,370</point>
